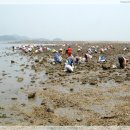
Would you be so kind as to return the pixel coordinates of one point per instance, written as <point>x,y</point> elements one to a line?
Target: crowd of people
<point>71,59</point>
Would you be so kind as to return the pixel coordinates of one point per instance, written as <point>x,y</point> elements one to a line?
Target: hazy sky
<point>67,21</point>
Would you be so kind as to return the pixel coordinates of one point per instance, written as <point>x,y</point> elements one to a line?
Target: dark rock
<point>44,88</point>
<point>79,119</point>
<point>106,66</point>
<point>4,74</point>
<point>31,121</point>
<point>50,110</point>
<point>84,81</point>
<point>23,104</point>
<point>36,60</point>
<point>93,82</point>
<point>32,81</point>
<point>12,61</point>
<point>119,79</point>
<point>31,94</point>
<point>14,98</point>
<point>71,89</point>
<point>43,102</point>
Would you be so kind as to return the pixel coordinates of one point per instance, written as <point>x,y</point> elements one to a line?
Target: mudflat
<point>35,92</point>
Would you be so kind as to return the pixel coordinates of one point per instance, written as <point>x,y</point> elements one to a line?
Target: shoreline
<point>88,96</point>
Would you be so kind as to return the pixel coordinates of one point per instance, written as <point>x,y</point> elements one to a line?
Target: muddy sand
<point>94,94</point>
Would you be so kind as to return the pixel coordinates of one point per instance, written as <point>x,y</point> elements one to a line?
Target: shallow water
<point>9,73</point>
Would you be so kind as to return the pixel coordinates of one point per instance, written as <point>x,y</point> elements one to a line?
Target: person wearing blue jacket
<point>57,57</point>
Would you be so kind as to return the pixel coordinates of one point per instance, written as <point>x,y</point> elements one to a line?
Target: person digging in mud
<point>57,57</point>
<point>123,62</point>
<point>87,57</point>
<point>69,65</point>
<point>69,51</point>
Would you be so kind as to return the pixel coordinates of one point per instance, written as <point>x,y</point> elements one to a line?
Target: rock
<point>71,89</point>
<point>79,119</point>
<point>62,83</point>
<point>14,98</point>
<point>22,69</point>
<point>32,81</point>
<point>127,78</point>
<point>23,104</point>
<point>4,74</point>
<point>12,61</point>
<point>93,82</point>
<point>42,82</point>
<point>106,66</point>
<point>50,110</point>
<point>32,95</point>
<point>119,79</point>
<point>36,60</point>
<point>109,117</point>
<point>44,88</point>
<point>46,73</point>
<point>19,79</point>
<point>43,102</point>
<point>61,74</point>
<point>31,121</point>
<point>84,81</point>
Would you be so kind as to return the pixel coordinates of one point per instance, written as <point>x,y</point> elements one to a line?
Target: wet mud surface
<point>39,93</point>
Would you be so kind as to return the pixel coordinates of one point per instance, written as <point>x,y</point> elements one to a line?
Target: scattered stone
<point>43,102</point>
<point>119,79</point>
<point>23,104</point>
<point>93,82</point>
<point>32,81</point>
<point>61,74</point>
<point>22,69</point>
<point>84,81</point>
<point>4,74</point>
<point>14,98</point>
<point>71,89</point>
<point>79,119</point>
<point>3,115</point>
<point>106,66</point>
<point>12,61</point>
<point>108,117</point>
<point>42,82</point>
<point>32,95</point>
<point>36,60</point>
<point>19,79</point>
<point>44,88</point>
<point>50,110</point>
<point>31,121</point>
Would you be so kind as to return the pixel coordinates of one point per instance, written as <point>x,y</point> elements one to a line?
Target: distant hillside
<point>57,39</point>
<point>12,38</point>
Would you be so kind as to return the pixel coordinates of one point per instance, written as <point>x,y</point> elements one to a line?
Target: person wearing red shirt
<point>69,51</point>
